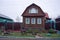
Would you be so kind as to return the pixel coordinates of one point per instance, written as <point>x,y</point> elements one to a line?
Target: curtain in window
<point>39,21</point>
<point>33,21</point>
<point>27,20</point>
<point>33,10</point>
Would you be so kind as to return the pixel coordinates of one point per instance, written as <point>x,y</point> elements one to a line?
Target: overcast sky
<point>14,8</point>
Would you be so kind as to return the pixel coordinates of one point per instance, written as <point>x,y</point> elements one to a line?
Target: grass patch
<point>51,35</point>
<point>18,34</point>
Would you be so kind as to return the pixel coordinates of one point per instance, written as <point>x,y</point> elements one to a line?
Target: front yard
<point>18,34</point>
<point>50,35</point>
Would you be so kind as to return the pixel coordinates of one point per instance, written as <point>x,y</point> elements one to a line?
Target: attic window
<point>33,10</point>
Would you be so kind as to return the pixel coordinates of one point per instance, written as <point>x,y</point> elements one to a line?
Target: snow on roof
<point>1,15</point>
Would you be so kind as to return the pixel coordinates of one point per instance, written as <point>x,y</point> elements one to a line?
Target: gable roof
<point>33,5</point>
<point>30,6</point>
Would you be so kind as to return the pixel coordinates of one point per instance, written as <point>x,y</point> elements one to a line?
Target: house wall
<point>41,26</point>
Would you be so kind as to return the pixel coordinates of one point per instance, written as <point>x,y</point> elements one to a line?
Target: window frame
<point>33,10</point>
<point>27,22</point>
<point>33,20</point>
<point>39,20</point>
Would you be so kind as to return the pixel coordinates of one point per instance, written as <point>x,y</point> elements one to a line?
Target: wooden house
<point>34,18</point>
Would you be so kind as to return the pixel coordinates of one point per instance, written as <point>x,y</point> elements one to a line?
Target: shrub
<point>51,31</point>
<point>28,31</point>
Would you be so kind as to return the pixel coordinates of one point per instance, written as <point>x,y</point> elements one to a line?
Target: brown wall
<point>34,25</point>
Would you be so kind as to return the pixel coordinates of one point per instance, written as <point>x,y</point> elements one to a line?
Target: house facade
<point>34,18</point>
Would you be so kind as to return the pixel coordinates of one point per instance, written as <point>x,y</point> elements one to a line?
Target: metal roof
<point>3,16</point>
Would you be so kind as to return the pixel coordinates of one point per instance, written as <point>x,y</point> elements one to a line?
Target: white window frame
<point>39,20</point>
<point>33,10</point>
<point>27,20</point>
<point>33,20</point>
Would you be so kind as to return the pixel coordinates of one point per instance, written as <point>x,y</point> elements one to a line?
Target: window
<point>33,10</point>
<point>33,21</point>
<point>39,21</point>
<point>27,20</point>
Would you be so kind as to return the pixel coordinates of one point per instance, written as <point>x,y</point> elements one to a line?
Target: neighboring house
<point>46,15</point>
<point>49,23</point>
<point>34,18</point>
<point>4,18</point>
<point>57,23</point>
